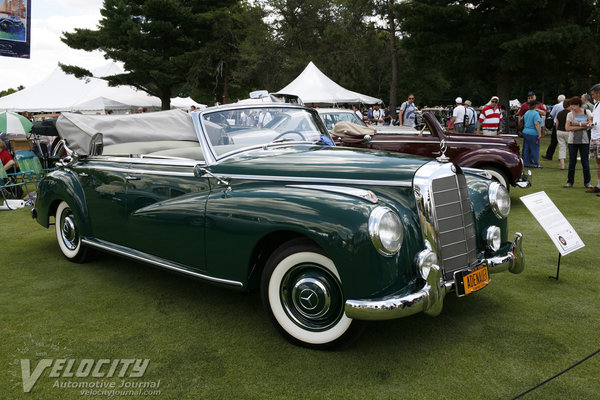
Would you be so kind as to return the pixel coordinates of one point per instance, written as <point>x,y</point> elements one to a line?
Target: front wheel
<point>68,234</point>
<point>302,293</point>
<point>499,176</point>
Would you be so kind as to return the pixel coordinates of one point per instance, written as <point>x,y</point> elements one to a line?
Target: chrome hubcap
<point>70,236</point>
<point>311,297</point>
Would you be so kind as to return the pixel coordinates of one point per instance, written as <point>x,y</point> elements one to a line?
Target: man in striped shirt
<point>490,119</point>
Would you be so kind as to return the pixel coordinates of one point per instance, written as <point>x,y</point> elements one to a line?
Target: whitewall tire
<point>302,292</point>
<point>68,234</point>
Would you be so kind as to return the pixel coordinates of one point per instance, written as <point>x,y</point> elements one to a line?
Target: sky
<point>49,18</point>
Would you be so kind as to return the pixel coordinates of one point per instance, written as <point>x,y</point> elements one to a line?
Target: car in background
<point>330,236</point>
<point>498,155</point>
<point>11,24</point>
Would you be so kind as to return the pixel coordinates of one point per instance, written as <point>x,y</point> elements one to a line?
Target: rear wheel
<point>302,293</point>
<point>68,234</point>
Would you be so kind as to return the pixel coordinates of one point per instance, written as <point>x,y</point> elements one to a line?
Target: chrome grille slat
<point>454,220</point>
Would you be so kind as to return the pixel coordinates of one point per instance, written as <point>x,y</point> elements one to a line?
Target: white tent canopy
<point>63,92</point>
<point>314,87</point>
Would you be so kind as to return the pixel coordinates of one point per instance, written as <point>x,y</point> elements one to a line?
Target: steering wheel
<point>290,133</point>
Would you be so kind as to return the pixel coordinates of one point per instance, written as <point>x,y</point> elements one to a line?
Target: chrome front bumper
<point>430,298</point>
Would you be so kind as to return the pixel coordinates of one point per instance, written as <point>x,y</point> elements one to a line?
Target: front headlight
<point>385,230</point>
<point>499,199</point>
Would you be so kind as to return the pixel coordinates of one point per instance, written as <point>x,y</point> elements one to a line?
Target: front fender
<point>338,223</point>
<point>506,161</point>
<point>61,185</point>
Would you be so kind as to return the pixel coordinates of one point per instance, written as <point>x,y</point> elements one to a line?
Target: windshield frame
<point>212,156</point>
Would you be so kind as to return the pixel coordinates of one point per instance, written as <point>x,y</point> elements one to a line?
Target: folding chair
<point>30,166</point>
<point>10,187</point>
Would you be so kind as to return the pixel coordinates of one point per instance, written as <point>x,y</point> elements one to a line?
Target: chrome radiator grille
<point>454,221</point>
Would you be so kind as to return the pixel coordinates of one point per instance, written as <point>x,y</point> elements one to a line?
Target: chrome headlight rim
<point>497,194</point>
<point>493,237</point>
<point>381,215</point>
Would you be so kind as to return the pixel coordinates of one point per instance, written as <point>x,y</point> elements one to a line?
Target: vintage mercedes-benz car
<point>256,197</point>
<point>498,155</point>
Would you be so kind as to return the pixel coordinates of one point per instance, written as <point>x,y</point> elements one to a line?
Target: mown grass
<point>206,342</point>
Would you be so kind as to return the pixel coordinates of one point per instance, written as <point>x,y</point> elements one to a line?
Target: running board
<point>156,261</point>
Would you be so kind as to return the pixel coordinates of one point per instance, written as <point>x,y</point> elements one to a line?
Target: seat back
<point>28,161</point>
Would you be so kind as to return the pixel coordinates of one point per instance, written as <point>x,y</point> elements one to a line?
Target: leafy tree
<point>157,41</point>
<point>488,47</point>
<point>11,91</point>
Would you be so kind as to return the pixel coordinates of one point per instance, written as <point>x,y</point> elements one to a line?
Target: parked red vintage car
<point>499,155</point>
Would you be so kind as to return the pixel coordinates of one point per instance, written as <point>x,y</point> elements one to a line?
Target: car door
<point>166,210</point>
<point>103,180</point>
<point>426,145</point>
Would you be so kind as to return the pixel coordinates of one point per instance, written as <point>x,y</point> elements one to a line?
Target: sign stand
<point>554,223</point>
<point>557,269</point>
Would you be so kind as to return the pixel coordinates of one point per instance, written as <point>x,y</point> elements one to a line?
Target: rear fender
<point>58,186</point>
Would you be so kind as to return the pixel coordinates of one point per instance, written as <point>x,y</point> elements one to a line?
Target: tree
<point>488,47</point>
<point>157,41</point>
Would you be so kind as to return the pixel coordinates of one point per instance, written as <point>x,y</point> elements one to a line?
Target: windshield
<point>230,130</point>
<point>332,118</point>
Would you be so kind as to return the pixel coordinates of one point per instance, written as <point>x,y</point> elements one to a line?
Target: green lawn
<point>205,342</point>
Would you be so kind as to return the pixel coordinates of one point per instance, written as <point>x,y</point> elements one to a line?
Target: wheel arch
<point>266,247</point>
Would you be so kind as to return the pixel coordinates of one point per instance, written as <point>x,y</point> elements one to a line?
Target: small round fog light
<point>425,260</point>
<point>493,237</point>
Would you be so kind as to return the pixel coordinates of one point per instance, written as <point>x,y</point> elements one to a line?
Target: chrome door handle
<point>132,178</point>
<point>83,175</point>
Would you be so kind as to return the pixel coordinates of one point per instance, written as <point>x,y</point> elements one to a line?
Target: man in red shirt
<point>490,119</point>
<point>525,107</point>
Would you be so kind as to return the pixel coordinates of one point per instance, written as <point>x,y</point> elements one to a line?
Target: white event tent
<point>314,87</point>
<point>63,92</point>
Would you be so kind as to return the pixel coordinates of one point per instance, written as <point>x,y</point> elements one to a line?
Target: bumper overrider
<point>430,298</point>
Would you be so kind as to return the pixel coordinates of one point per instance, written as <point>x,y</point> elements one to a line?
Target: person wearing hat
<point>490,119</point>
<point>458,116</point>
<point>525,107</point>
<point>471,117</point>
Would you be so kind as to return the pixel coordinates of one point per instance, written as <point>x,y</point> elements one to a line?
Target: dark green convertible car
<point>255,196</point>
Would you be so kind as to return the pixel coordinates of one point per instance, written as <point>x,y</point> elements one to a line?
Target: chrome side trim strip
<point>140,171</point>
<point>341,181</point>
<point>354,192</point>
<point>450,144</point>
<point>157,261</point>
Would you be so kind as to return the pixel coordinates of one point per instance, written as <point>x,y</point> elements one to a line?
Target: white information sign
<point>554,223</point>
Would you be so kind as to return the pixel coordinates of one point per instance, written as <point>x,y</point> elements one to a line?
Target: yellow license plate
<point>476,279</point>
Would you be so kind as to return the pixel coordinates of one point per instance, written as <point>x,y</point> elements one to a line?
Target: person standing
<point>458,116</point>
<point>471,117</point>
<point>525,107</point>
<point>357,112</point>
<point>587,102</point>
<point>558,107</point>
<point>377,115</point>
<point>578,122</point>
<point>406,115</point>
<point>532,134</point>
<point>595,137</point>
<point>490,119</point>
<point>562,136</point>
<point>387,116</point>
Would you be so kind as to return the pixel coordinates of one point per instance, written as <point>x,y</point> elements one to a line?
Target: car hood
<point>308,161</point>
